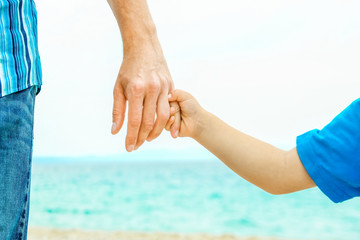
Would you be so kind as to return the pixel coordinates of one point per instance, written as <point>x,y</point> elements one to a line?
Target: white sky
<point>271,68</point>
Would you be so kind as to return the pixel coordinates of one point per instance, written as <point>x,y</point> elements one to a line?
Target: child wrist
<point>200,125</point>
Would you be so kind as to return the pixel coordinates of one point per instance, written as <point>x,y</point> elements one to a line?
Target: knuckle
<point>148,125</point>
<point>116,112</point>
<point>156,133</point>
<point>119,94</point>
<point>131,140</point>
<point>176,108</point>
<point>163,116</point>
<point>135,122</point>
<point>137,88</point>
<point>116,92</point>
<point>154,86</point>
<point>140,142</point>
<point>123,80</point>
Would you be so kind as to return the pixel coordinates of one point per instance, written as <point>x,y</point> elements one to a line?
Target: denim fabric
<point>16,140</point>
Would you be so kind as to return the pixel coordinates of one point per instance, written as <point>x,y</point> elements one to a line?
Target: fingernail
<point>176,133</point>
<point>113,127</point>
<point>149,139</point>
<point>131,148</point>
<point>169,95</point>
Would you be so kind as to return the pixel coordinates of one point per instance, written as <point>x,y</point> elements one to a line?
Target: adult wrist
<point>143,36</point>
<point>143,46</point>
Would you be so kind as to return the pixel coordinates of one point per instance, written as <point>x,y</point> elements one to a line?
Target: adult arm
<point>144,79</point>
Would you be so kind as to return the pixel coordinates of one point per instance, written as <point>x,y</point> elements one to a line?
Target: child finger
<point>169,123</point>
<point>175,127</point>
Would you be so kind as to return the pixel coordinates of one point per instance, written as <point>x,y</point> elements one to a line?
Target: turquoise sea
<point>179,196</point>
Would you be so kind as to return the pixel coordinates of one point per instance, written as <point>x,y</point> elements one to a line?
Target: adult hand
<point>144,80</point>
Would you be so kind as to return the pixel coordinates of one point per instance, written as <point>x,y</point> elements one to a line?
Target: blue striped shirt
<point>20,65</point>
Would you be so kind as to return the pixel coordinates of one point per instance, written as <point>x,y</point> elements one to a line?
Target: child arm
<point>272,169</point>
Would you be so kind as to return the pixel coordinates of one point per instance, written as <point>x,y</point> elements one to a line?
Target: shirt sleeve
<point>332,156</point>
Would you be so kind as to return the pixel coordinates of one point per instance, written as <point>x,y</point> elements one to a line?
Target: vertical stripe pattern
<point>20,66</point>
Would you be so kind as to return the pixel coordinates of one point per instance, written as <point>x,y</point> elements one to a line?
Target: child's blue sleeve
<point>332,156</point>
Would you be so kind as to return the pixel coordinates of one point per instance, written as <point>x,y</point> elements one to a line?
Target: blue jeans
<point>16,140</point>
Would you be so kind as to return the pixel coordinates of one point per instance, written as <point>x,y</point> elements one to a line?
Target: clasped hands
<point>145,82</point>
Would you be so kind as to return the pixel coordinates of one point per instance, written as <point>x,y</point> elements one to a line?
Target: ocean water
<point>179,196</point>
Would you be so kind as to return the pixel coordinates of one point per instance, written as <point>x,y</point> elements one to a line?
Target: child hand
<point>190,114</point>
<point>173,124</point>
